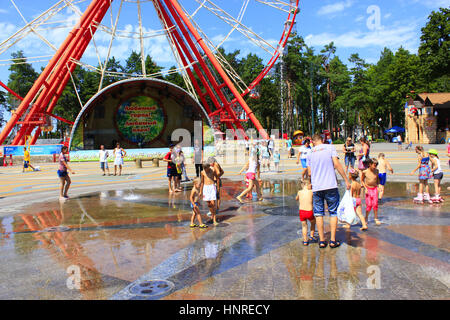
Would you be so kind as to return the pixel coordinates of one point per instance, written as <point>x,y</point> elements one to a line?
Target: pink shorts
<point>250,176</point>
<point>372,199</point>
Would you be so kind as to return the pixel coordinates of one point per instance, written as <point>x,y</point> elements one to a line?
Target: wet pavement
<point>137,244</point>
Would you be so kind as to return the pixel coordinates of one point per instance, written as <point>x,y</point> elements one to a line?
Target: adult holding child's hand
<point>322,163</point>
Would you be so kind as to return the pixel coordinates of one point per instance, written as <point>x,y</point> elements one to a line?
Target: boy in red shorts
<point>305,204</point>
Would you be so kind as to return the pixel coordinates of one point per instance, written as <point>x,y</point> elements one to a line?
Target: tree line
<point>320,91</point>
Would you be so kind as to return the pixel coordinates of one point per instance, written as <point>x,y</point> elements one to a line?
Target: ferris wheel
<point>88,33</point>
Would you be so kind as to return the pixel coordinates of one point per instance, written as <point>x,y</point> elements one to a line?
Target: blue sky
<point>351,24</point>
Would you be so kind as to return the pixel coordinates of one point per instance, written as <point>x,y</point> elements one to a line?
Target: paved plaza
<point>125,238</point>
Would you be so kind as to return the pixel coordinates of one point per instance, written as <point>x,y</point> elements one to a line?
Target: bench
<point>140,160</point>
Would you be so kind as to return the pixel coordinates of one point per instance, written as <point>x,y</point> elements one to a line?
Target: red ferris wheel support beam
<point>51,80</point>
<point>45,92</point>
<point>174,6</point>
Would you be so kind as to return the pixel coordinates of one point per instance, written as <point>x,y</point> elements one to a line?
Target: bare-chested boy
<point>208,189</point>
<point>383,166</point>
<point>370,181</point>
<point>305,204</point>
<point>194,205</point>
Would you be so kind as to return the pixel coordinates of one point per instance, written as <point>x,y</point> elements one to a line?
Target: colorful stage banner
<point>140,119</point>
<point>132,154</point>
<point>36,150</point>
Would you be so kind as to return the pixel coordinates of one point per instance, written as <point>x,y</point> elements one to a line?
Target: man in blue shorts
<point>322,163</point>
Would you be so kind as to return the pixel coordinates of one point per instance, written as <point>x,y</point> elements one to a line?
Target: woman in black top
<point>349,151</point>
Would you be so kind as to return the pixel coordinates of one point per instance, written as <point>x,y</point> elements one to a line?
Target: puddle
<point>93,246</point>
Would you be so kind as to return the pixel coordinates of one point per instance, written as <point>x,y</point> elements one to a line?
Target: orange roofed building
<point>427,118</point>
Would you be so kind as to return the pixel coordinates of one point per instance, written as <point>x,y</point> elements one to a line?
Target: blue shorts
<point>25,164</point>
<point>198,205</point>
<point>382,178</point>
<point>350,160</point>
<point>304,164</point>
<point>62,174</point>
<point>104,165</point>
<point>332,198</point>
<point>172,172</point>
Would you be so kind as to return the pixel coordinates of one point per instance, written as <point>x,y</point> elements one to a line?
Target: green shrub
<point>380,140</point>
<point>338,141</point>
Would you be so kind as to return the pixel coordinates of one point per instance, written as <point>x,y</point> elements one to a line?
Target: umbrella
<point>395,130</point>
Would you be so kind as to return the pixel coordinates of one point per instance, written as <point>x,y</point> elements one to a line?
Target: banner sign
<point>92,155</point>
<point>35,150</point>
<point>140,119</point>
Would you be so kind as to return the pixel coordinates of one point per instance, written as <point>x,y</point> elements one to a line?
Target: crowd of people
<point>363,176</point>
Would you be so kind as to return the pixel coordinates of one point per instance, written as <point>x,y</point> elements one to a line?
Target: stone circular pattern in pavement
<point>151,288</point>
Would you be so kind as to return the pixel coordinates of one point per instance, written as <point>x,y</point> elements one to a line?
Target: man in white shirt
<point>322,163</point>
<point>103,155</point>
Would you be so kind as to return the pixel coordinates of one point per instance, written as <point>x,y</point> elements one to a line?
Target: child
<point>208,189</point>
<point>26,159</point>
<point>355,190</point>
<point>438,174</point>
<point>276,160</point>
<point>424,174</point>
<point>305,201</point>
<point>194,205</point>
<point>265,158</point>
<point>370,181</point>
<point>383,166</point>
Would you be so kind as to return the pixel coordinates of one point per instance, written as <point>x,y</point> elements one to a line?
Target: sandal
<point>193,226</point>
<point>313,239</point>
<point>334,244</point>
<point>203,226</point>
<point>305,243</point>
<point>322,244</point>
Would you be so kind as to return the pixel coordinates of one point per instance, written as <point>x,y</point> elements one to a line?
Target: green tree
<point>434,50</point>
<point>21,78</point>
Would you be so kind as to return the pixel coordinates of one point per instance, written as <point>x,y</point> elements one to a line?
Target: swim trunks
<point>371,199</point>
<point>382,178</point>
<point>306,215</point>
<point>209,192</point>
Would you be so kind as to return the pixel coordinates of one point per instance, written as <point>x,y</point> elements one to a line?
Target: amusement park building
<point>427,118</point>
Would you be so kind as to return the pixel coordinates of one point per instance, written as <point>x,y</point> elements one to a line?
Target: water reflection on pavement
<point>101,245</point>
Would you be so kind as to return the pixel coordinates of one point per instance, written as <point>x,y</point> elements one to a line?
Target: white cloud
<point>157,47</point>
<point>399,35</point>
<point>335,8</point>
<point>3,11</point>
<point>387,15</point>
<point>359,18</point>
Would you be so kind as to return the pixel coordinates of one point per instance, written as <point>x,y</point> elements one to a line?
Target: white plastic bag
<point>346,211</point>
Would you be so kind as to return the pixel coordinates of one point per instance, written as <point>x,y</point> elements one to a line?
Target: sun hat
<point>433,151</point>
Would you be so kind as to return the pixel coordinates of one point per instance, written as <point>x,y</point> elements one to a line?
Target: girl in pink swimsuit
<point>355,190</point>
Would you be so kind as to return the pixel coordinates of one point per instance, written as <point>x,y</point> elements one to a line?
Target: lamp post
<point>312,98</point>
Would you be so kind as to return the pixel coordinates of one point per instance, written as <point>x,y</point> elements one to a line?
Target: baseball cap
<point>433,151</point>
